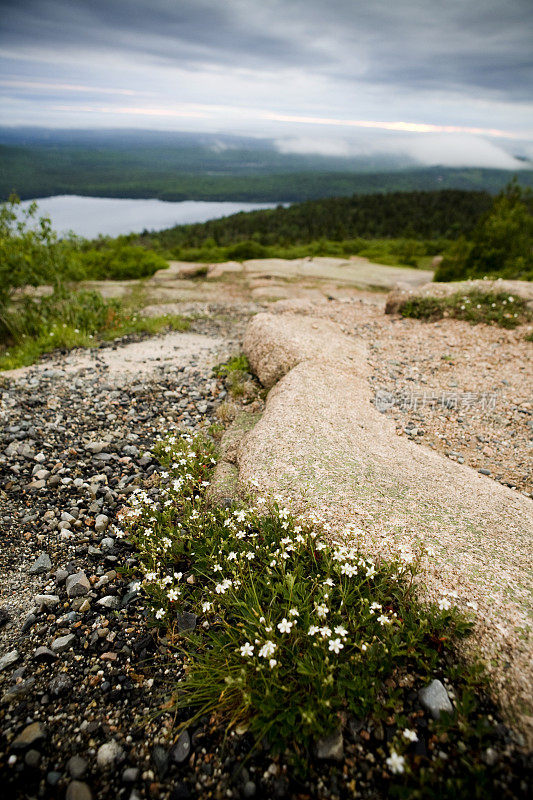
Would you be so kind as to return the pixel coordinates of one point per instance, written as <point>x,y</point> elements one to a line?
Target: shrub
<point>502,242</point>
<point>117,261</point>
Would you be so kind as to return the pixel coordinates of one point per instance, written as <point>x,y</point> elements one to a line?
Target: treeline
<point>445,214</point>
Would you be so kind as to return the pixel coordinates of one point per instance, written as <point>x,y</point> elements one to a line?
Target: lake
<point>109,216</point>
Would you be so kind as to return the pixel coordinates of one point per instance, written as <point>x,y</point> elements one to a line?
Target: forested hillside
<point>419,215</point>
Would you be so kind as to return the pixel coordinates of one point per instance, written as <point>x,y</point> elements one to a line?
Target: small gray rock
<point>18,690</point>
<point>101,522</point>
<point>29,622</point>
<point>61,575</point>
<point>109,601</point>
<point>77,790</point>
<point>77,584</point>
<point>108,754</point>
<point>77,767</point>
<point>41,565</point>
<point>331,747</point>
<point>107,543</point>
<point>9,659</point>
<point>160,760</point>
<point>186,621</point>
<point>434,699</point>
<point>130,775</point>
<point>182,748</point>
<point>249,789</point>
<point>63,643</point>
<point>60,684</point>
<point>47,600</point>
<point>44,654</point>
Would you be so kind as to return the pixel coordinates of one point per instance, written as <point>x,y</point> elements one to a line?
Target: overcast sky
<point>445,80</point>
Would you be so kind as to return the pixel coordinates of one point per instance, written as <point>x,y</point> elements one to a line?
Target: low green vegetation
<point>35,321</point>
<point>68,319</point>
<point>475,306</point>
<point>297,636</point>
<point>394,252</point>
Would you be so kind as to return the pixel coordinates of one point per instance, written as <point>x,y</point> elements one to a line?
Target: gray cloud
<point>452,45</point>
<point>464,63</point>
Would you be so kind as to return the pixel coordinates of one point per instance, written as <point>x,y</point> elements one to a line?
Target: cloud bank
<point>299,70</point>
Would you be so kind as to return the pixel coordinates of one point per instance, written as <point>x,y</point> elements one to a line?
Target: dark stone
<point>160,760</point>
<point>29,622</point>
<point>60,684</point>
<point>186,621</point>
<point>44,654</point>
<point>4,617</point>
<point>179,792</point>
<point>32,759</point>
<point>181,750</point>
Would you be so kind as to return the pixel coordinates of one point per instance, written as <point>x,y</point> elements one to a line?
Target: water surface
<point>91,216</point>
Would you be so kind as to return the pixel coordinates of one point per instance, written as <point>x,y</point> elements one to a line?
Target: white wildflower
<point>247,649</point>
<point>268,649</point>
<point>410,735</point>
<point>285,626</point>
<point>395,763</point>
<point>335,645</point>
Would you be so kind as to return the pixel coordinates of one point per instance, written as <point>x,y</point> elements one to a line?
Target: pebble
<point>48,600</point>
<point>32,759</point>
<point>101,522</point>
<point>41,565</point>
<point>182,748</point>
<point>77,767</point>
<point>59,685</point>
<point>9,659</point>
<point>77,790</point>
<point>31,734</point>
<point>331,747</point>
<point>109,601</point>
<point>77,584</point>
<point>434,699</point>
<point>160,760</point>
<point>63,643</point>
<point>108,754</point>
<point>130,775</point>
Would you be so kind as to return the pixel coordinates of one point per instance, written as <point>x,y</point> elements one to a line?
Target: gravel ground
<point>83,681</point>
<point>463,390</point>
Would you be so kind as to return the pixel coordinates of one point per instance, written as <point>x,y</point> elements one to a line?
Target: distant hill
<point>177,166</point>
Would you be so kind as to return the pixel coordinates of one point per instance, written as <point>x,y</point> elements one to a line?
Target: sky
<point>447,81</point>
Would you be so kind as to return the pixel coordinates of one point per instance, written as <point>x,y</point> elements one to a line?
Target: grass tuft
<point>491,308</point>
